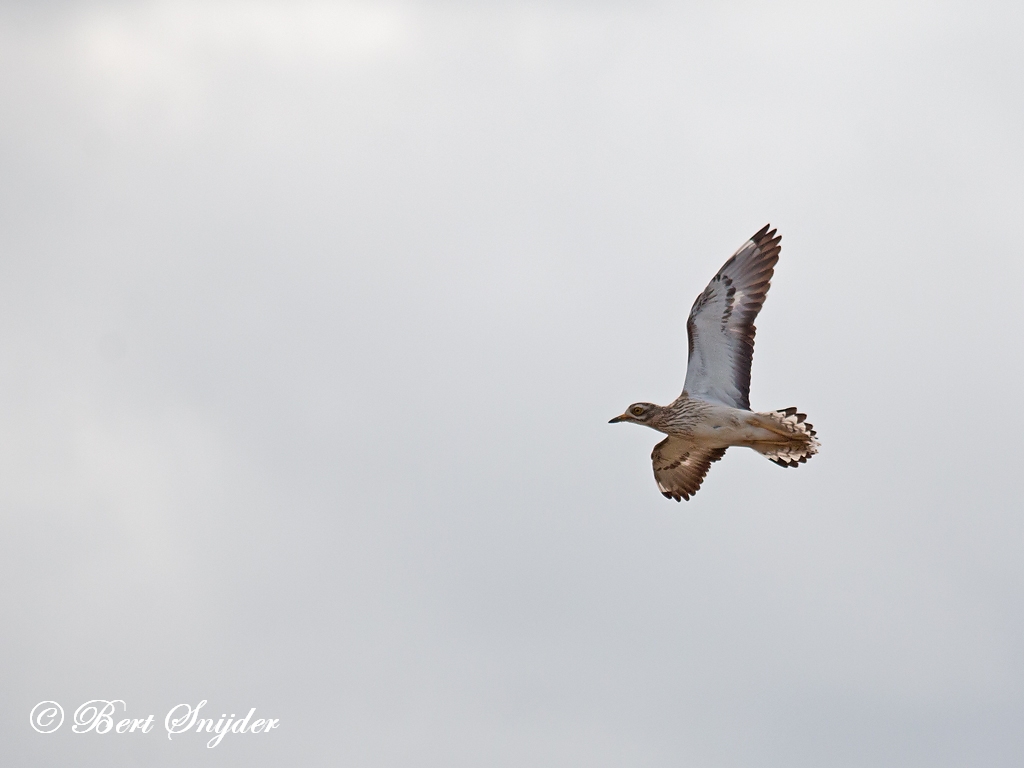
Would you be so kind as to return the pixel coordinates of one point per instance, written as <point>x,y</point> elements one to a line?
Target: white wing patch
<point>721,323</point>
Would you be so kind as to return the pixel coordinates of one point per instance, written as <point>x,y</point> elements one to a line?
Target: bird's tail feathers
<point>802,442</point>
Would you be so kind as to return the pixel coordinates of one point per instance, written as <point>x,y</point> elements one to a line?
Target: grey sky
<point>313,316</point>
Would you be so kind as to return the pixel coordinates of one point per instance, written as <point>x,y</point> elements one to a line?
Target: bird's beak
<point>623,417</point>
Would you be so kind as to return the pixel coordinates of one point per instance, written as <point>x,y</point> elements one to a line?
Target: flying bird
<point>713,412</point>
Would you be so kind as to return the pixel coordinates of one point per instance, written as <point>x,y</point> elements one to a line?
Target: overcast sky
<point>312,316</point>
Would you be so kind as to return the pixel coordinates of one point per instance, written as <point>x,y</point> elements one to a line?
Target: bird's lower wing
<point>721,323</point>
<point>680,466</point>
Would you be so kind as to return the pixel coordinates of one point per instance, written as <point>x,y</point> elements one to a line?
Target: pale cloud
<point>143,40</point>
<point>162,63</point>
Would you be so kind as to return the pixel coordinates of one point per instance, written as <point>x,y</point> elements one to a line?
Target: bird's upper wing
<point>680,466</point>
<point>721,324</point>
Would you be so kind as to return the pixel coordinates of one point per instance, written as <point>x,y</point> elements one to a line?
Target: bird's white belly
<point>722,426</point>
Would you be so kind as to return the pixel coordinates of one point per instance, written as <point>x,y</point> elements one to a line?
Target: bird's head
<point>640,413</point>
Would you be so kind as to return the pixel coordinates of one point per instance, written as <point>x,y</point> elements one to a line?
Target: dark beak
<point>623,417</point>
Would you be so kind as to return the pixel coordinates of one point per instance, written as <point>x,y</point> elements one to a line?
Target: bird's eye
<point>637,410</point>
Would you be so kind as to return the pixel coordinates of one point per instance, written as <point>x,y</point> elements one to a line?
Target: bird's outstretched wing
<point>680,466</point>
<point>721,324</point>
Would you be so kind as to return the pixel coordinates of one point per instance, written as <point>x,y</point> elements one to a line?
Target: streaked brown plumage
<point>713,412</point>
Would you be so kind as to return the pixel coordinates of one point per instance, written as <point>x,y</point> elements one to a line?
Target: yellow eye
<point>637,410</point>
